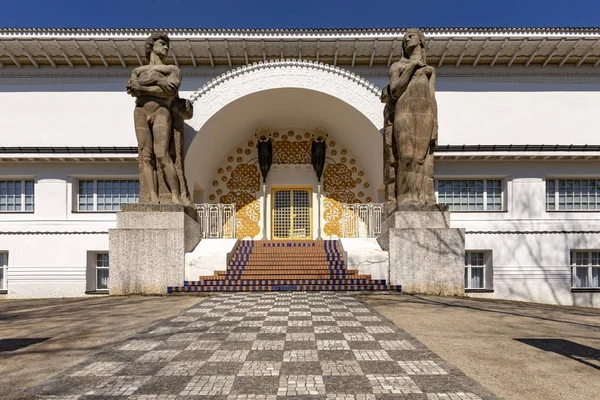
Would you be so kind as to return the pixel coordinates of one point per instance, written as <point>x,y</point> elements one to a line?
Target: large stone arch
<point>334,81</point>
<point>231,106</point>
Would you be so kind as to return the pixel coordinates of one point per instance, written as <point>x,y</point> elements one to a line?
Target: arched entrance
<point>292,98</point>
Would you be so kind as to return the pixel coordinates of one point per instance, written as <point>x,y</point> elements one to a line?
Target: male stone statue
<point>158,118</point>
<point>390,152</point>
<point>415,125</point>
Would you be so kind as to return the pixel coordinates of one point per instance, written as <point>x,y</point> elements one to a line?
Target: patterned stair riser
<point>285,265</point>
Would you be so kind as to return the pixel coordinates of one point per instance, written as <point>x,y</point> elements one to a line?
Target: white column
<point>319,211</point>
<point>264,207</point>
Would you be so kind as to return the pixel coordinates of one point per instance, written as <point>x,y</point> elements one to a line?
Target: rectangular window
<point>16,195</point>
<point>572,194</point>
<point>102,264</point>
<point>3,263</point>
<point>106,195</point>
<point>585,269</point>
<point>470,194</point>
<point>474,270</point>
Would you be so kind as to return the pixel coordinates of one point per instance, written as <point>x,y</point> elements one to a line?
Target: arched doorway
<point>292,98</point>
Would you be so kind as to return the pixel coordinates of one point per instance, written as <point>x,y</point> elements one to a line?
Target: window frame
<point>488,271</point>
<point>23,181</point>
<point>590,266</point>
<point>503,191</point>
<point>95,179</point>
<point>99,258</point>
<point>556,179</point>
<point>4,269</point>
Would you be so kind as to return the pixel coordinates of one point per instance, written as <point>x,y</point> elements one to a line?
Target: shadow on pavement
<point>507,307</point>
<point>575,351</point>
<point>18,343</point>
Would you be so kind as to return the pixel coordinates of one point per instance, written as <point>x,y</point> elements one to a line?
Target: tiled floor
<point>315,345</point>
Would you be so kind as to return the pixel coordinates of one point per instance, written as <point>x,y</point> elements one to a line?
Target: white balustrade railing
<point>362,220</point>
<point>217,221</point>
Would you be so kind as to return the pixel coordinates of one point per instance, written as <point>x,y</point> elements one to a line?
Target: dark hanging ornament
<point>318,148</point>
<point>265,150</point>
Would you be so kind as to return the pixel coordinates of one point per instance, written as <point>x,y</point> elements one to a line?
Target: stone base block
<point>417,220</point>
<point>147,249</point>
<point>425,259</point>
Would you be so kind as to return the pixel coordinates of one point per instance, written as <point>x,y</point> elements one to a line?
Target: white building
<point>518,158</point>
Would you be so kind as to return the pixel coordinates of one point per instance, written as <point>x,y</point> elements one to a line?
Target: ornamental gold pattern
<point>342,182</point>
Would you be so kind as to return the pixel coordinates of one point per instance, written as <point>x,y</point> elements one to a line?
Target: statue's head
<point>412,38</point>
<point>157,43</point>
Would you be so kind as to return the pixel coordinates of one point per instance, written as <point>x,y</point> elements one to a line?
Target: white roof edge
<point>219,34</point>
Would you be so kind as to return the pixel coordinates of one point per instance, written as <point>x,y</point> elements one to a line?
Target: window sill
<point>478,211</point>
<point>95,212</point>
<point>99,291</point>
<point>586,290</point>
<point>572,211</point>
<point>3,291</point>
<point>479,290</point>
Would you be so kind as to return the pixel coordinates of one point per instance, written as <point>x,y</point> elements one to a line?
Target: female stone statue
<point>412,94</point>
<point>158,109</point>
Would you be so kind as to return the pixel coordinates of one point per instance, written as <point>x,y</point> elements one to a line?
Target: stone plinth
<point>426,255</point>
<point>147,249</point>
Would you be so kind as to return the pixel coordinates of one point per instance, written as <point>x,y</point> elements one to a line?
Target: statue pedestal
<point>147,249</point>
<point>426,255</point>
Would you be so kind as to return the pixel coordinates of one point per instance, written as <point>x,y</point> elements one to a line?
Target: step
<point>328,281</point>
<point>267,288</point>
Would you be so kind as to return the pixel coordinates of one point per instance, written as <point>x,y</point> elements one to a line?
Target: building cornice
<point>22,48</point>
<point>301,32</point>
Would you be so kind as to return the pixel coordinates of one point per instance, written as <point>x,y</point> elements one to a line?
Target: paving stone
<point>379,329</point>
<point>383,384</point>
<point>341,368</point>
<point>299,336</point>
<point>300,355</point>
<point>421,368</point>
<point>227,355</point>
<point>372,355</point>
<point>119,386</point>
<point>260,368</point>
<point>181,368</point>
<point>358,337</point>
<point>452,396</point>
<point>327,329</point>
<point>101,368</point>
<point>184,337</point>
<point>209,386</point>
<point>242,337</point>
<point>158,356</point>
<point>293,385</point>
<point>139,345</point>
<point>332,345</point>
<point>396,345</point>
<point>204,345</point>
<point>269,346</point>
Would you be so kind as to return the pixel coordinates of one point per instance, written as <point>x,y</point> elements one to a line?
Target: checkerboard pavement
<point>275,345</point>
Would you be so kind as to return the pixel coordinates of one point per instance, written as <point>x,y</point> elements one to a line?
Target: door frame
<point>308,189</point>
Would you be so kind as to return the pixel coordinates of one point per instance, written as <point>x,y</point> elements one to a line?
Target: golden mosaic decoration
<point>285,152</point>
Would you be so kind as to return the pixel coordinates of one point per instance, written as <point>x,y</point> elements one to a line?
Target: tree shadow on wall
<point>575,351</point>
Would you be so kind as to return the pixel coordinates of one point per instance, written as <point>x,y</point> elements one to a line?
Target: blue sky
<point>296,14</point>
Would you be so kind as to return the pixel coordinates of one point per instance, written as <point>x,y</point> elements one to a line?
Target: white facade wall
<point>49,248</point>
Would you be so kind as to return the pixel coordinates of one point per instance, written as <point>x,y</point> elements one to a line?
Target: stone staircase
<point>277,265</point>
